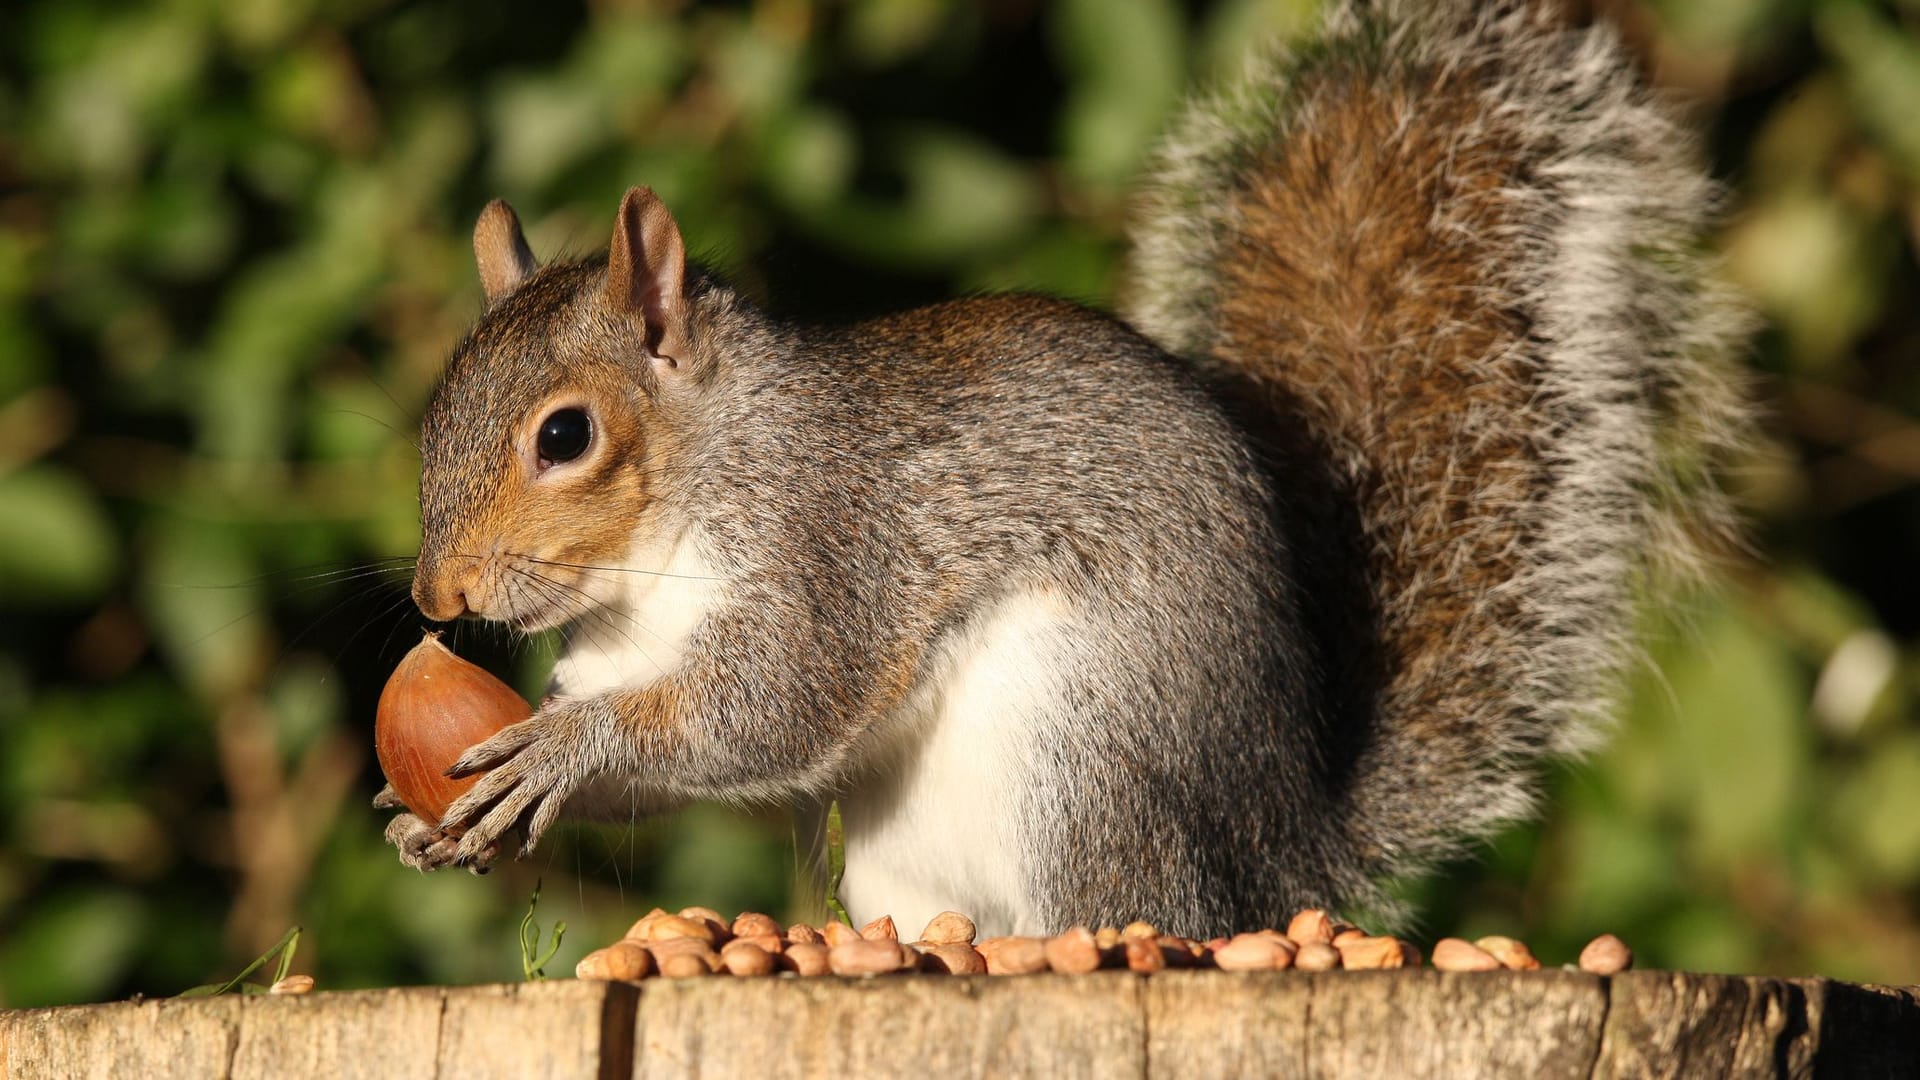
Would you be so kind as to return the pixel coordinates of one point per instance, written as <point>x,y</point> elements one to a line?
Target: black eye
<point>563,436</point>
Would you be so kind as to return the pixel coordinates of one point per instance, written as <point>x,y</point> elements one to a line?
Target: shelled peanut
<point>698,941</point>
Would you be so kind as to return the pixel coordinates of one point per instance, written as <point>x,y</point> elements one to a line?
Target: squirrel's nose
<point>440,595</point>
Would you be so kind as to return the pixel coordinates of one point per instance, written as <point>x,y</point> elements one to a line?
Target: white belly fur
<point>663,594</point>
<point>932,827</point>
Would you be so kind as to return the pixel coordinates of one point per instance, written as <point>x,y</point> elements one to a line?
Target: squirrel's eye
<point>563,436</point>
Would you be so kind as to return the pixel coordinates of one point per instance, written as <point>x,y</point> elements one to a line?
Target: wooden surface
<point>1400,1025</point>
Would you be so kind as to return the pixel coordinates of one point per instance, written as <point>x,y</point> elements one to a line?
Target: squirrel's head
<point>539,449</point>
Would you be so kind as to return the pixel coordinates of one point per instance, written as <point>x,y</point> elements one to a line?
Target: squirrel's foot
<point>531,770</point>
<point>423,845</point>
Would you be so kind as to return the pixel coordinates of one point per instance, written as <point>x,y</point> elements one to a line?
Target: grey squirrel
<point>1274,590</point>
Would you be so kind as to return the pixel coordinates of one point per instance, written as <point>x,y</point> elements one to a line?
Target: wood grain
<point>1396,1024</point>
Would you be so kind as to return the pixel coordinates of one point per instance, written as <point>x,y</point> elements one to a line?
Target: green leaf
<point>56,542</point>
<point>1881,64</point>
<point>206,604</point>
<point>533,962</point>
<point>1731,735</point>
<point>284,948</point>
<point>72,946</point>
<point>1127,62</point>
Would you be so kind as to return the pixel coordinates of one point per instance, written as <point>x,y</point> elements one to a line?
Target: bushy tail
<point>1450,254</point>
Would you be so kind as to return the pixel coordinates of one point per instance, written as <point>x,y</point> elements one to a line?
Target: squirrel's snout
<point>440,596</point>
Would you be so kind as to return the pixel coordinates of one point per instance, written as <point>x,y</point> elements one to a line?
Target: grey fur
<point>867,492</point>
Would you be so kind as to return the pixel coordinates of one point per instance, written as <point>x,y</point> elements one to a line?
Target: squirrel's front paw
<point>423,845</point>
<point>531,769</point>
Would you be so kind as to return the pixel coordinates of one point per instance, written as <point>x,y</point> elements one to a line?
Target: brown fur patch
<point>1357,296</point>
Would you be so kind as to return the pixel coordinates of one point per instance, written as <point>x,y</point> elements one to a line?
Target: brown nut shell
<point>1311,926</point>
<point>1014,955</point>
<point>1251,952</point>
<point>753,924</point>
<point>622,961</point>
<point>1606,955</point>
<point>880,929</point>
<point>1144,955</point>
<point>667,927</point>
<point>434,708</point>
<point>687,963</point>
<point>1454,954</point>
<point>865,956</point>
<point>806,958</point>
<point>1364,953</point>
<point>1513,955</point>
<point>949,928</point>
<point>952,958</point>
<point>1073,952</point>
<point>742,958</point>
<point>1316,956</point>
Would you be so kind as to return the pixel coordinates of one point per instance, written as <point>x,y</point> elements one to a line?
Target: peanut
<point>293,984</point>
<point>1513,955</point>
<point>642,929</point>
<point>806,958</point>
<point>949,928</point>
<point>686,963</point>
<point>952,958</point>
<point>864,956</point>
<point>1309,927</point>
<point>1074,952</point>
<point>839,933</point>
<point>742,958</point>
<point>1317,956</point>
<point>1107,937</point>
<point>1606,955</point>
<point>1251,952</point>
<point>1014,955</point>
<point>679,926</point>
<point>754,924</point>
<point>770,943</point>
<point>1453,954</point>
<point>880,929</point>
<point>802,934</point>
<point>1358,952</point>
<point>1139,928</point>
<point>1144,955</point>
<point>1177,951</point>
<point>622,961</point>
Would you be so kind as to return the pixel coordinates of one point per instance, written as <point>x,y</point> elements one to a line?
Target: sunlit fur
<point>1080,631</point>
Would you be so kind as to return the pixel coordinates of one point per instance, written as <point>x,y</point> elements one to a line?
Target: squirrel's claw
<point>388,799</point>
<point>533,767</point>
<point>425,847</point>
<point>507,743</point>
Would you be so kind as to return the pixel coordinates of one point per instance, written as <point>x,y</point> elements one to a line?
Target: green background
<point>234,255</point>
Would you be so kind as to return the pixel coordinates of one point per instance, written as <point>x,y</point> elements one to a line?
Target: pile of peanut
<point>697,941</point>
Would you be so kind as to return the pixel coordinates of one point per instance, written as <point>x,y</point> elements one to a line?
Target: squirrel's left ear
<point>646,271</point>
<point>500,249</point>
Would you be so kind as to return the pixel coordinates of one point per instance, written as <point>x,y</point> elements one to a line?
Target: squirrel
<point>1272,589</point>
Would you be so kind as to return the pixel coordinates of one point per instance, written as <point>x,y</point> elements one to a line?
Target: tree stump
<point>1399,1024</point>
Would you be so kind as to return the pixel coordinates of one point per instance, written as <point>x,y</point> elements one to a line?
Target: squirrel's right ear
<point>646,275</point>
<point>501,250</point>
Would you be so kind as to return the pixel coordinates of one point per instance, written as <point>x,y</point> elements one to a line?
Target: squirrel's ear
<point>501,250</point>
<point>646,270</point>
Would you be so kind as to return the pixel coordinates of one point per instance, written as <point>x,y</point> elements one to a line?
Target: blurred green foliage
<point>233,255</point>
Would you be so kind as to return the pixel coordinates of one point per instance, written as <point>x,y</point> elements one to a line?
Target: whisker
<point>578,602</point>
<point>615,569</point>
<point>588,605</point>
<point>332,572</point>
<point>410,440</point>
